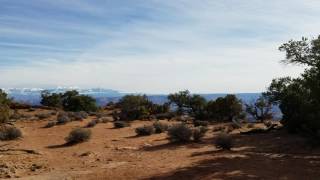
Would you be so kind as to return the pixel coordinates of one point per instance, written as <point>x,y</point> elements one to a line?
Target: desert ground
<point>120,154</point>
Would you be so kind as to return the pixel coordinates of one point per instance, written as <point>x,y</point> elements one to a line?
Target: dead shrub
<point>160,127</point>
<point>180,133</point>
<point>9,133</point>
<point>78,135</point>
<point>63,118</point>
<point>121,124</point>
<point>92,123</point>
<point>145,130</point>
<point>224,141</point>
<point>198,133</point>
<point>50,124</point>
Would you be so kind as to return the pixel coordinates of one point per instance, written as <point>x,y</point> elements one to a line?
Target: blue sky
<point>151,46</point>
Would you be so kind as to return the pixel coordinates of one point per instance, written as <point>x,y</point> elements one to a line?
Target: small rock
<point>147,145</point>
<point>86,154</point>
<point>126,148</point>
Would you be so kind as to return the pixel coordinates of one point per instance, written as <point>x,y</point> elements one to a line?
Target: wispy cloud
<point>151,46</point>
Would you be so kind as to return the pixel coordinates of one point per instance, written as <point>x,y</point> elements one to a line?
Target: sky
<point>151,46</point>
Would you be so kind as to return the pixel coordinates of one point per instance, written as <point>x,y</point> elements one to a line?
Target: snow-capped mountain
<point>33,95</point>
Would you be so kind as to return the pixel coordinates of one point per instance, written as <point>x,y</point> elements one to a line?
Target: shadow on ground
<point>270,156</point>
<point>64,145</point>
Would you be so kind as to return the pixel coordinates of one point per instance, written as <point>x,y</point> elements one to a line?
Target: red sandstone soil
<point>119,154</point>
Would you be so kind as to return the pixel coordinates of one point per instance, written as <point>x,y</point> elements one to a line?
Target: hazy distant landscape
<point>103,96</point>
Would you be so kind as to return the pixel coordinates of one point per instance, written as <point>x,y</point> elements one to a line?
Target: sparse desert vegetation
<point>187,137</point>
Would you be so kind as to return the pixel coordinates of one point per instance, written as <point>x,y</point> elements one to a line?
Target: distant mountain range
<point>103,96</point>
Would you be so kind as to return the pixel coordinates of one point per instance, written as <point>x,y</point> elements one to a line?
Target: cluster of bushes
<point>133,107</point>
<point>223,108</point>
<point>94,122</point>
<point>69,101</point>
<point>299,98</point>
<point>157,127</point>
<point>65,117</point>
<point>183,133</point>
<point>7,132</point>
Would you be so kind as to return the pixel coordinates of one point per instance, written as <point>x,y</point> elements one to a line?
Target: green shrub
<point>78,135</point>
<point>198,105</point>
<point>299,98</point>
<point>159,108</point>
<point>160,127</point>
<point>9,133</point>
<point>51,100</point>
<point>181,100</point>
<point>73,101</point>
<point>50,124</point>
<point>69,101</point>
<point>198,133</point>
<point>4,107</point>
<point>225,108</point>
<point>223,141</point>
<point>4,114</point>
<point>120,124</point>
<point>134,107</point>
<point>145,130</point>
<point>180,133</point>
<point>200,123</point>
